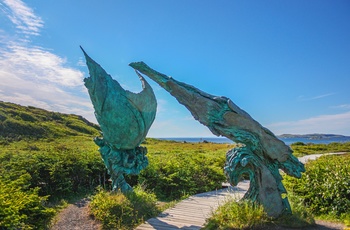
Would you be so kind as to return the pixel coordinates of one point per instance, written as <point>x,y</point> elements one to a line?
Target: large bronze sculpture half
<point>124,118</point>
<point>260,154</point>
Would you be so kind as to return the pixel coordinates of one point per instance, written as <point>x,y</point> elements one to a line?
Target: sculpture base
<point>122,161</point>
<point>266,187</point>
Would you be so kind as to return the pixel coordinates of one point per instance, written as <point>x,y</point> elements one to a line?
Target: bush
<point>325,186</point>
<point>119,211</point>
<point>243,214</point>
<point>22,209</point>
<point>58,172</point>
<point>181,175</point>
<point>11,127</point>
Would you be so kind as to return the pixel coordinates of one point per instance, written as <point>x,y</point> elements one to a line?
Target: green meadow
<point>49,159</point>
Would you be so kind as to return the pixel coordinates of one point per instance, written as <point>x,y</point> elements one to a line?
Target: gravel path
<point>76,217</point>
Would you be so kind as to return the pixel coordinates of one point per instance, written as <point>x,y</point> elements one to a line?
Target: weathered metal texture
<point>124,118</point>
<point>261,155</point>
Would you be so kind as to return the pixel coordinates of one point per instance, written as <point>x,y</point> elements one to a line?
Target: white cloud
<point>22,17</point>
<point>343,106</point>
<point>334,123</point>
<point>37,64</point>
<point>303,98</point>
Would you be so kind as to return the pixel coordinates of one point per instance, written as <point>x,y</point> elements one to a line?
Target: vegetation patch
<point>325,187</point>
<point>22,207</point>
<point>177,170</point>
<point>234,214</point>
<point>123,211</point>
<point>17,122</point>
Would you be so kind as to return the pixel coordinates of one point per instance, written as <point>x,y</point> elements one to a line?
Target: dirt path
<point>76,217</point>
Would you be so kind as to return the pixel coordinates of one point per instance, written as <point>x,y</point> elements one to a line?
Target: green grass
<point>245,214</point>
<point>301,149</point>
<point>123,211</point>
<point>26,122</point>
<point>324,187</point>
<point>177,170</point>
<point>238,215</point>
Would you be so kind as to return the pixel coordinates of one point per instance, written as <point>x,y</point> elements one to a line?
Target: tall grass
<point>234,214</point>
<point>123,211</point>
<point>245,214</point>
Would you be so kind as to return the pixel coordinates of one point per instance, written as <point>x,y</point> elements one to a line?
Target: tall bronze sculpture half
<point>124,118</point>
<point>261,154</point>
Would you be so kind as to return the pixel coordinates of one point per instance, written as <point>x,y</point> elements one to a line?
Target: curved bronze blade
<point>125,117</point>
<point>220,115</point>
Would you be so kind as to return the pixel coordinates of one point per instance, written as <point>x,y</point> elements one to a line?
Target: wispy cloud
<point>22,17</point>
<point>33,75</point>
<point>334,123</point>
<point>303,98</point>
<point>37,64</point>
<point>343,106</point>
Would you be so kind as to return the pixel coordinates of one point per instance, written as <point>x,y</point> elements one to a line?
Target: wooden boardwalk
<point>191,213</point>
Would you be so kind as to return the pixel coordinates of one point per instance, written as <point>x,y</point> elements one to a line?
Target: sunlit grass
<point>245,214</point>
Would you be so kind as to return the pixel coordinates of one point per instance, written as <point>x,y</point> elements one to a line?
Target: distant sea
<point>287,141</point>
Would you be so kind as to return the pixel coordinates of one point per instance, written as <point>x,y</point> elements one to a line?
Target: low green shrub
<point>57,172</point>
<point>181,175</point>
<point>18,121</point>
<point>245,214</point>
<point>123,211</point>
<point>234,214</point>
<point>22,208</point>
<point>325,186</point>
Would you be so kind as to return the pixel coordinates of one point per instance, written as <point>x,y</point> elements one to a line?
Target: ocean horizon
<point>287,141</point>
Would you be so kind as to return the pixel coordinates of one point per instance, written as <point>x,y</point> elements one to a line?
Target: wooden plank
<point>183,215</point>
<point>170,224</point>
<point>191,213</point>
<point>186,220</point>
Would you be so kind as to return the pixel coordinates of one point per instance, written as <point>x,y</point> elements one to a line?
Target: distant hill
<point>315,136</point>
<point>18,121</point>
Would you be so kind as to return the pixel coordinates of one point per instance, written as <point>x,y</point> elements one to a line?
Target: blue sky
<point>286,63</point>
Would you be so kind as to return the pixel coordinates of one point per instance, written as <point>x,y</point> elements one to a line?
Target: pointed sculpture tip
<point>84,51</point>
<point>87,57</point>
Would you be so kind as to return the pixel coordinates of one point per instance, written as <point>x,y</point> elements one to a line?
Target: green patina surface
<point>261,154</point>
<point>124,118</point>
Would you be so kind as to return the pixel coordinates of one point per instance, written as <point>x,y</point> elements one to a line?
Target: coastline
<point>287,141</point>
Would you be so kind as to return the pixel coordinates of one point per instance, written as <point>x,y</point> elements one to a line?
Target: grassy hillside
<point>44,157</point>
<point>17,122</point>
